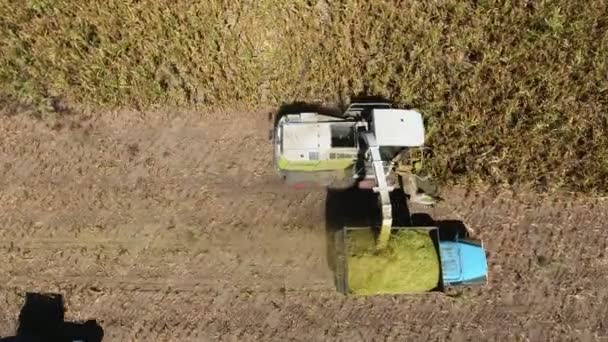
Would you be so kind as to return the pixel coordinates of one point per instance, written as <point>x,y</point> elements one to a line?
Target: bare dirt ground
<point>174,228</point>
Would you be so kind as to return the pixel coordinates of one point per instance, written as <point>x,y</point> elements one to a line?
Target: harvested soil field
<point>174,228</point>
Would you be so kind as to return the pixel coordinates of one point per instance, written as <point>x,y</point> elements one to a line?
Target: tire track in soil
<point>224,252</point>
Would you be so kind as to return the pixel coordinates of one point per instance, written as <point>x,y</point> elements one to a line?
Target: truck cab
<point>463,262</point>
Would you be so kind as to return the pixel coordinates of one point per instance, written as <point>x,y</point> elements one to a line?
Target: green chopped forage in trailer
<point>409,263</point>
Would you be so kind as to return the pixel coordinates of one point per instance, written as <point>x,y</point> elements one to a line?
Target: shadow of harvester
<point>42,319</point>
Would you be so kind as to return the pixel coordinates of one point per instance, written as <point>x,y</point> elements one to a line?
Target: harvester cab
<point>369,146</point>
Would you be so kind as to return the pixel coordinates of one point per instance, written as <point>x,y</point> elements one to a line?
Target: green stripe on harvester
<point>315,165</point>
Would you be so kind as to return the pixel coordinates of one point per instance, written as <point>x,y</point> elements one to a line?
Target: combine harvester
<point>371,146</point>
